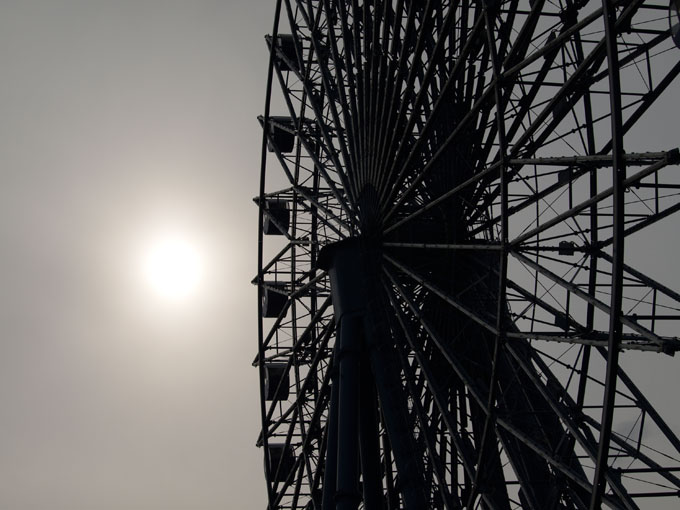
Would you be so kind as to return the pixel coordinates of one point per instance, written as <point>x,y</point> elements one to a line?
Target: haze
<point>120,121</point>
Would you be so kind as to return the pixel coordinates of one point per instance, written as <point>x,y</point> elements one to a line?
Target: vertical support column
<point>347,490</point>
<point>331,465</point>
<point>341,480</point>
<point>369,441</point>
<point>364,346</point>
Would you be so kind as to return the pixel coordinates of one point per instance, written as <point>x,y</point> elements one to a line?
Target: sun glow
<point>173,267</point>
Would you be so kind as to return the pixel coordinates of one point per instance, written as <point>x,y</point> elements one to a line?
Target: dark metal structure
<point>454,211</point>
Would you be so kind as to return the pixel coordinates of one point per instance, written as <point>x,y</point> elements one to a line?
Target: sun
<point>173,267</point>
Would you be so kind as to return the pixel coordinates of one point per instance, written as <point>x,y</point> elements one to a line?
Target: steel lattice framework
<point>450,197</point>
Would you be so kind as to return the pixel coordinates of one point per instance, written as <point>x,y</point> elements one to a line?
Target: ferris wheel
<point>452,200</point>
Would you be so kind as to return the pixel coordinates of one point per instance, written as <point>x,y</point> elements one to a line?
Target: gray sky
<point>120,120</point>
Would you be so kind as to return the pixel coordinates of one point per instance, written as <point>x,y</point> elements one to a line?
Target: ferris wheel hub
<point>350,264</point>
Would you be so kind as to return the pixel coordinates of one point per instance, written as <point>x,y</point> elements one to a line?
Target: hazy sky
<point>121,120</point>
